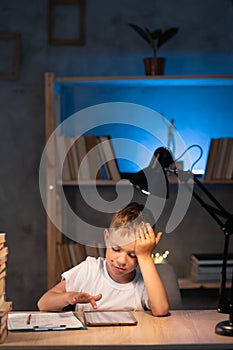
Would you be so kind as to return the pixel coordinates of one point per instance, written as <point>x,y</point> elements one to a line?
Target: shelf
<point>185,283</point>
<point>55,88</point>
<point>167,80</point>
<point>125,182</point>
<point>122,182</point>
<point>220,182</point>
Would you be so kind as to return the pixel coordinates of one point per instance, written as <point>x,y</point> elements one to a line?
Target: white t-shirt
<point>91,276</point>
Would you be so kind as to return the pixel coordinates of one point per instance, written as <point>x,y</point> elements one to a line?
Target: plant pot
<point>154,65</point>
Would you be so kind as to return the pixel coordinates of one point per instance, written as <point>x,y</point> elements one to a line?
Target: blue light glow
<point>202,109</point>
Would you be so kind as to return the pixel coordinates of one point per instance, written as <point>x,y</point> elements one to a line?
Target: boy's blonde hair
<point>131,216</point>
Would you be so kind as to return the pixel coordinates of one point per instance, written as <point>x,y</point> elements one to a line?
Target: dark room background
<point>203,46</point>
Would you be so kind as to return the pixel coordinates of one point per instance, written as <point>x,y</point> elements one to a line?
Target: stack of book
<point>5,306</point>
<point>86,158</point>
<point>219,164</point>
<point>208,267</point>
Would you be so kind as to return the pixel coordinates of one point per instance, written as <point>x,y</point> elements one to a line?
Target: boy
<point>126,279</point>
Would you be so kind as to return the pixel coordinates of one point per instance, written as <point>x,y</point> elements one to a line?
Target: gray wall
<point>204,45</point>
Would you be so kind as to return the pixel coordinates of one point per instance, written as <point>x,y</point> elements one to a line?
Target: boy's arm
<point>144,246</point>
<point>56,298</point>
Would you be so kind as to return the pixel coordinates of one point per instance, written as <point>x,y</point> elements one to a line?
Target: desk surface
<point>181,330</point>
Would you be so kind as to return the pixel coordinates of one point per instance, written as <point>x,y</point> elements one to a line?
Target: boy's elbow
<point>160,311</point>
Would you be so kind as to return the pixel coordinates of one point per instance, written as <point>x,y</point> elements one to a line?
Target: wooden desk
<point>181,330</point>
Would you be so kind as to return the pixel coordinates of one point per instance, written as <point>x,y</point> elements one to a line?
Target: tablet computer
<point>109,318</point>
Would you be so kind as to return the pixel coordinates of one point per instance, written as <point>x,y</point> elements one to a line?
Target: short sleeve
<point>77,278</point>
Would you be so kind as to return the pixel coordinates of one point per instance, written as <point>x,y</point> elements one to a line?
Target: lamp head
<point>164,156</point>
<point>153,179</point>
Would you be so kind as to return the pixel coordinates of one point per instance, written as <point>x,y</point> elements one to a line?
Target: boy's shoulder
<point>88,266</point>
<point>91,260</point>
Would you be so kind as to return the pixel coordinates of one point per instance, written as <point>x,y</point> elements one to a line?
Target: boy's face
<point>121,260</point>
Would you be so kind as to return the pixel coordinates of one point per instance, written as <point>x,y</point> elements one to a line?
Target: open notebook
<point>44,321</point>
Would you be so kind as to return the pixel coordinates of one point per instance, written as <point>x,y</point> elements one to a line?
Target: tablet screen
<point>109,318</point>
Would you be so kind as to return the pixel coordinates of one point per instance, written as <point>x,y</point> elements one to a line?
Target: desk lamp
<point>154,180</point>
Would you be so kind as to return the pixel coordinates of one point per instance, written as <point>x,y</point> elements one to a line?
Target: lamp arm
<point>214,211</point>
<point>221,210</point>
<point>225,305</point>
<point>210,209</point>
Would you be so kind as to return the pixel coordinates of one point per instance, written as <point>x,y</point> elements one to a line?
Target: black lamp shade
<point>153,179</point>
<point>162,155</point>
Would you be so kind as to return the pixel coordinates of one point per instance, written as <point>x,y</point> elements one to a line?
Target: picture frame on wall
<point>9,55</point>
<point>66,22</point>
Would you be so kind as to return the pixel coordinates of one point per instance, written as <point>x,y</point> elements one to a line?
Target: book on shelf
<point>93,157</point>
<point>105,169</point>
<point>81,151</point>
<point>69,147</point>
<point>218,158</point>
<point>110,157</point>
<point>219,165</point>
<point>229,161</point>
<point>221,159</point>
<point>209,277</point>
<point>210,258</point>
<point>62,159</point>
<point>86,158</point>
<point>209,273</point>
<point>208,267</point>
<point>211,159</point>
<point>74,158</point>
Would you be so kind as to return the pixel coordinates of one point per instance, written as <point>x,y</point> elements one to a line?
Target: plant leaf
<point>152,40</point>
<point>142,32</point>
<point>167,35</point>
<point>156,34</point>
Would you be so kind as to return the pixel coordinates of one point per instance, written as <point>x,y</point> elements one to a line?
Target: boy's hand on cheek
<point>83,298</point>
<point>146,241</point>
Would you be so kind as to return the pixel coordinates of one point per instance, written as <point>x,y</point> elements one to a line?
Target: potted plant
<point>155,38</point>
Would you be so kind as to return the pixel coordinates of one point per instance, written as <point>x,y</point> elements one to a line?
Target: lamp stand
<point>225,305</point>
<point>216,210</point>
<point>225,327</point>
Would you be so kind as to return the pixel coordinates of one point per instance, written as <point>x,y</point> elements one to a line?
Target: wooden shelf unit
<point>52,88</point>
